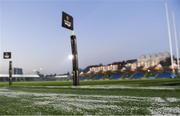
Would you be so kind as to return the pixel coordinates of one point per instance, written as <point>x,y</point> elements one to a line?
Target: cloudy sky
<point>106,30</point>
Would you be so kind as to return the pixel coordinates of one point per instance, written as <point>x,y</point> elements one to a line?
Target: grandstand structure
<point>34,77</point>
<point>19,77</point>
<point>138,75</point>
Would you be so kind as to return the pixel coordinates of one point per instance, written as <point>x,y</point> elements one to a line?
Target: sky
<point>107,31</point>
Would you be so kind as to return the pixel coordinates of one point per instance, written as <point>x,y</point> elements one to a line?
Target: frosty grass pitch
<point>153,97</point>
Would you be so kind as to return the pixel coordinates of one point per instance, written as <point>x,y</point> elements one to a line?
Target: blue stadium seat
<point>165,75</point>
<point>98,77</point>
<point>115,76</point>
<point>137,75</point>
<point>85,78</point>
<point>82,78</point>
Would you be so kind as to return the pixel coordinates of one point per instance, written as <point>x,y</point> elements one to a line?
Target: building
<point>18,71</point>
<point>96,69</point>
<point>151,60</point>
<point>132,64</point>
<point>144,61</point>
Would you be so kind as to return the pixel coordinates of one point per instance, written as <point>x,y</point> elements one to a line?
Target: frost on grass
<point>172,99</point>
<point>166,111</point>
<point>99,104</point>
<point>115,87</point>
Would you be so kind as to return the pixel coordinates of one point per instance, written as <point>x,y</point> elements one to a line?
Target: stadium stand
<point>165,75</point>
<point>137,75</point>
<point>82,78</point>
<point>98,77</point>
<point>115,76</point>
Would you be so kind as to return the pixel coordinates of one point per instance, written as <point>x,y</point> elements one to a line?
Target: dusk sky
<point>107,31</point>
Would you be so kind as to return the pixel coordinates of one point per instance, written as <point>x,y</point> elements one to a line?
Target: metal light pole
<point>75,60</point>
<point>10,73</point>
<point>67,22</point>
<point>7,55</point>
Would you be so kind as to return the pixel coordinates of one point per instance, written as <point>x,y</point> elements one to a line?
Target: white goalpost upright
<point>169,36</point>
<point>176,41</point>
